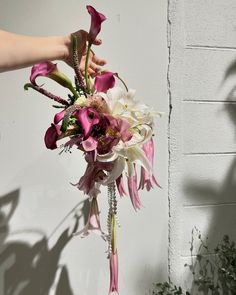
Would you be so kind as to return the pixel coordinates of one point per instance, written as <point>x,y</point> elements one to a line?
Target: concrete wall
<point>37,253</point>
<point>202,79</point>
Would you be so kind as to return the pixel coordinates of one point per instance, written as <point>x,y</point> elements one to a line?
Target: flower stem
<point>76,63</point>
<point>47,93</point>
<point>122,81</point>
<point>86,68</point>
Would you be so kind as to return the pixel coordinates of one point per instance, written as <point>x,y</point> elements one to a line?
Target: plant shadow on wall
<point>27,269</point>
<point>222,200</point>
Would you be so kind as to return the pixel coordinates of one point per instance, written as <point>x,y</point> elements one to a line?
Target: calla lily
<point>104,82</point>
<point>96,20</point>
<point>87,118</point>
<point>50,70</point>
<point>93,223</point>
<point>51,136</point>
<point>59,116</point>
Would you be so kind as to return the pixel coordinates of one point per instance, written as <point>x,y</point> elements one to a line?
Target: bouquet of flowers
<point>112,129</point>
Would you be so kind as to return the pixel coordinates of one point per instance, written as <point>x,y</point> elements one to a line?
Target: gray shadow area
<point>27,269</point>
<point>223,221</point>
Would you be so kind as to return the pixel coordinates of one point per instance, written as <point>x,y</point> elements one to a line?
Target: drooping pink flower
<point>51,136</point>
<point>120,186</point>
<point>104,82</point>
<point>133,191</point>
<point>93,222</point>
<point>113,272</point>
<point>147,179</point>
<point>96,20</point>
<point>94,173</point>
<point>87,117</point>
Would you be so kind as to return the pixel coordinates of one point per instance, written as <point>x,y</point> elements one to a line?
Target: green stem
<point>122,81</point>
<point>86,69</point>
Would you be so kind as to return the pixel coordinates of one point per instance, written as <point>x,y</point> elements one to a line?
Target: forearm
<point>18,51</point>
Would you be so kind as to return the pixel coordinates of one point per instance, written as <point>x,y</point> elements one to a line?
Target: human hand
<point>94,64</point>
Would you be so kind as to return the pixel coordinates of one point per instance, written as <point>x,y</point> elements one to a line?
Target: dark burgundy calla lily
<point>51,136</point>
<point>104,82</point>
<point>96,21</point>
<point>87,117</point>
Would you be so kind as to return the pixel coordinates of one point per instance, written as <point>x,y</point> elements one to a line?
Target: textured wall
<point>202,79</point>
<point>35,194</point>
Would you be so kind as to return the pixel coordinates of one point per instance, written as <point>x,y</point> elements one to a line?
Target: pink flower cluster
<point>112,129</point>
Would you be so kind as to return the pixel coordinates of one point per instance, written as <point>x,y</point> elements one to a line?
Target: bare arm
<point>19,51</point>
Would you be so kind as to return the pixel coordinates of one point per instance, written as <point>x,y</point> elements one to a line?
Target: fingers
<point>97,41</point>
<point>98,61</point>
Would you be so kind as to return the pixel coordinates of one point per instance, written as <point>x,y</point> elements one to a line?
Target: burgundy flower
<point>87,117</point>
<point>51,136</point>
<point>59,116</point>
<point>96,21</point>
<point>104,82</point>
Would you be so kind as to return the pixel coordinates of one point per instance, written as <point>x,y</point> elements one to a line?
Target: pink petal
<point>96,21</point>
<point>93,222</point>
<point>87,118</point>
<point>120,186</point>
<point>113,273</point>
<point>90,144</point>
<point>59,116</point>
<point>42,69</point>
<point>104,82</point>
<point>133,191</point>
<point>51,136</point>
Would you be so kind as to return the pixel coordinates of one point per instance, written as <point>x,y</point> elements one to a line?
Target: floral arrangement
<point>112,129</point>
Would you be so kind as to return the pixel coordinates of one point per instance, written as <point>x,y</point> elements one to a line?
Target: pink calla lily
<point>42,69</point>
<point>50,70</point>
<point>59,116</point>
<point>96,20</point>
<point>87,117</point>
<point>104,82</point>
<point>51,136</point>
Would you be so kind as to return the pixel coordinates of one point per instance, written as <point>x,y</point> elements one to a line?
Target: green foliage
<point>168,289</point>
<point>213,270</point>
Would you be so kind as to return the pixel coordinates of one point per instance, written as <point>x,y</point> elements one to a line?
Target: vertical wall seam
<point>169,120</point>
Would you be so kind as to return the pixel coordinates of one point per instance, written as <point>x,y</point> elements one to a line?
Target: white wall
<point>202,126</point>
<point>35,194</point>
